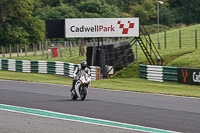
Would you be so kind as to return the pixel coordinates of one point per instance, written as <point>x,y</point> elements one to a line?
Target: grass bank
<point>188,58</point>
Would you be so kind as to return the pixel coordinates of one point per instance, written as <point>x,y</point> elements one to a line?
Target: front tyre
<point>73,95</point>
<point>83,93</point>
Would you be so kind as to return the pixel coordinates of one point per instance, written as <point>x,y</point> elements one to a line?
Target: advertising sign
<point>101,27</point>
<point>194,76</point>
<point>189,76</point>
<point>55,28</point>
<point>183,75</point>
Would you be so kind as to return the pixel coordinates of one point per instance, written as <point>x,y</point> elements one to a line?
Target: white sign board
<point>101,27</point>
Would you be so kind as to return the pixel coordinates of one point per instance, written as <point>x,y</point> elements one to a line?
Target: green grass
<point>127,84</point>
<point>190,60</point>
<point>176,58</point>
<point>187,56</point>
<point>143,85</point>
<point>65,56</point>
<point>35,77</point>
<point>127,79</point>
<point>172,37</point>
<point>73,59</point>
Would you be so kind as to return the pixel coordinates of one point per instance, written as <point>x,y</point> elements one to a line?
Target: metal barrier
<point>50,67</point>
<point>158,73</point>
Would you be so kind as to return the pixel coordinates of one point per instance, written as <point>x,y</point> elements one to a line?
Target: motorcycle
<point>81,86</point>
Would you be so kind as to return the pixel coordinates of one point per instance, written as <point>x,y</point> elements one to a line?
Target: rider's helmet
<point>83,65</point>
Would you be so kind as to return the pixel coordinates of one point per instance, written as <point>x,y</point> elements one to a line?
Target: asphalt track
<point>181,114</point>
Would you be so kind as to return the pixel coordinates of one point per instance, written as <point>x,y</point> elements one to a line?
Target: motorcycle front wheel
<point>73,95</point>
<point>83,93</point>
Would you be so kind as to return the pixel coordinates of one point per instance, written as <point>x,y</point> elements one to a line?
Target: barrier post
<point>10,50</point>
<point>17,50</point>
<point>25,50</point>
<point>165,39</point>
<point>80,50</point>
<point>70,49</point>
<point>179,39</point>
<point>195,39</point>
<point>97,76</point>
<point>3,51</point>
<point>83,48</point>
<point>59,49</point>
<point>34,49</point>
<point>42,50</point>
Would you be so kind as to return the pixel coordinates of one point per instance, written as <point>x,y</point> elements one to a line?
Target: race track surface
<point>181,114</point>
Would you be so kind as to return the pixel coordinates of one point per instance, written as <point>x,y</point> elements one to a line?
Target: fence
<point>43,49</point>
<point>50,67</point>
<point>158,73</point>
<point>178,39</point>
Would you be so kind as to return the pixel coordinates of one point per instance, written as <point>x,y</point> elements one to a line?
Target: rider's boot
<point>71,89</point>
<point>73,84</point>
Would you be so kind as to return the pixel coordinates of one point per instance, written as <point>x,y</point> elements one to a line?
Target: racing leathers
<point>75,75</point>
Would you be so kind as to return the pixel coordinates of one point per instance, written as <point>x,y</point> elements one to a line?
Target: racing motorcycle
<point>81,86</point>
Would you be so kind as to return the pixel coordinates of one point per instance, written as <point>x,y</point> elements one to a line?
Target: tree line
<point>23,21</point>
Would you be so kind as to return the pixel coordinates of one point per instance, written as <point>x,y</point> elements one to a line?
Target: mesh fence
<point>62,48</point>
<point>177,40</point>
<point>47,48</point>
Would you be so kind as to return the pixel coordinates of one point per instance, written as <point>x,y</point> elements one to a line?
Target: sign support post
<point>46,50</point>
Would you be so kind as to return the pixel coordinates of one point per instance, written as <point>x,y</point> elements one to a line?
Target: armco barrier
<point>50,67</point>
<point>158,73</point>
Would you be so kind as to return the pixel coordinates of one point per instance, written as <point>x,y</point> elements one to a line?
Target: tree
<point>187,11</point>
<point>167,16</point>
<point>59,12</point>
<point>2,12</point>
<point>15,25</point>
<point>190,11</point>
<point>53,3</point>
<point>96,9</point>
<point>146,11</point>
<point>36,30</point>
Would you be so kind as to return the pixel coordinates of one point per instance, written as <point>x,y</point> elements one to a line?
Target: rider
<point>83,66</point>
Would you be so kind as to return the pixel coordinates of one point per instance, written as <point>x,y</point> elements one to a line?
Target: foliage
<point>53,3</point>
<point>146,11</point>
<point>88,9</point>
<point>97,9</point>
<point>16,16</point>
<point>15,28</point>
<point>35,29</point>
<point>151,29</point>
<point>59,12</point>
<point>187,10</point>
<point>167,16</point>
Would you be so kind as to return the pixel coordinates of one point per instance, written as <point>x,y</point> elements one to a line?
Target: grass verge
<point>128,84</point>
<point>35,77</point>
